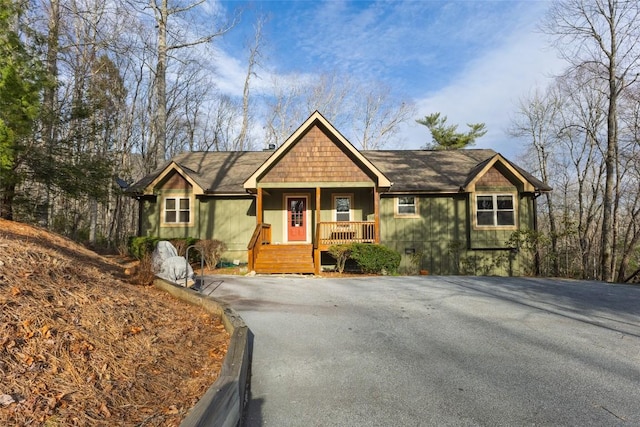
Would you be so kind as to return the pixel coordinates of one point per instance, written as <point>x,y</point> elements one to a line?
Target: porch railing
<point>337,233</point>
<point>261,236</point>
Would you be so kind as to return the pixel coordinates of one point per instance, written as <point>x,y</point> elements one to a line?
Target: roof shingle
<point>429,171</point>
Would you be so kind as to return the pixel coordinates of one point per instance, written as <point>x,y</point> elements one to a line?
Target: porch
<point>264,257</point>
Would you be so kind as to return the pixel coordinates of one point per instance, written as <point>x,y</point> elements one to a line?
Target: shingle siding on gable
<point>494,178</point>
<point>315,158</point>
<point>175,181</point>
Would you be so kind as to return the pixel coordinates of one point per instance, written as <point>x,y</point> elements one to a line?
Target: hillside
<point>81,346</point>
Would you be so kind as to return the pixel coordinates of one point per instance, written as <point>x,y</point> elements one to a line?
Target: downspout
<point>139,215</point>
<point>536,257</point>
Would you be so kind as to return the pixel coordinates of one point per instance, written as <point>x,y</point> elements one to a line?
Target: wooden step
<point>285,259</point>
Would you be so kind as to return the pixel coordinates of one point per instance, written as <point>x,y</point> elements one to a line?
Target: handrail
<point>261,236</point>
<point>343,232</point>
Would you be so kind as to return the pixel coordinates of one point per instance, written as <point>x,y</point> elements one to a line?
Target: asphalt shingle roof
<point>425,170</point>
<point>408,170</point>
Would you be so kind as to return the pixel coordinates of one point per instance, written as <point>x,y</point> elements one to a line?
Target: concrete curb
<point>223,403</point>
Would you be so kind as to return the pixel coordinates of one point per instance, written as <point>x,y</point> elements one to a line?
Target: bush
<point>144,273</point>
<point>375,259</point>
<point>211,251</point>
<point>140,246</point>
<point>341,253</point>
<point>181,246</point>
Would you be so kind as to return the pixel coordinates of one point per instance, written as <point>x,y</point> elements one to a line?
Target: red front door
<point>297,219</point>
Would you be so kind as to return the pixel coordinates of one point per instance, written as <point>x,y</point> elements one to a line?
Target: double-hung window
<point>495,210</point>
<point>177,210</point>
<point>342,207</point>
<point>406,206</point>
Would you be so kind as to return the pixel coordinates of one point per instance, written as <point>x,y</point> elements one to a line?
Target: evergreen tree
<point>21,81</point>
<point>447,137</point>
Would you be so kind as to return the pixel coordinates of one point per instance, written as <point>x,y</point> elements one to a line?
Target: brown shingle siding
<point>175,181</point>
<point>494,178</point>
<point>316,157</point>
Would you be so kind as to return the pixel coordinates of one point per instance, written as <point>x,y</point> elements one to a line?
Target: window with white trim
<point>406,206</point>
<point>495,210</point>
<point>342,207</point>
<point>177,210</point>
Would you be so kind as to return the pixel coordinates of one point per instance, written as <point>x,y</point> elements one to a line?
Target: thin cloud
<point>487,89</point>
<point>469,60</point>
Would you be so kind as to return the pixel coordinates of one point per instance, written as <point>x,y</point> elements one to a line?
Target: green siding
<point>441,232</point>
<point>273,207</point>
<point>443,235</point>
<point>230,220</point>
<point>440,223</point>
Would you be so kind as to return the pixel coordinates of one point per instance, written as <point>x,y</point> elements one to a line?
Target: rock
<point>6,400</point>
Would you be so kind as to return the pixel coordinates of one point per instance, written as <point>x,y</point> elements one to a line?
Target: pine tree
<point>447,137</point>
<point>21,81</point>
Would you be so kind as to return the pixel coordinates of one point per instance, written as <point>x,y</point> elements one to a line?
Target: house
<point>449,212</point>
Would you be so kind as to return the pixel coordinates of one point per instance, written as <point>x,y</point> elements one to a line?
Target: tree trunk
<point>159,123</point>
<point>610,167</point>
<point>8,194</point>
<point>49,110</point>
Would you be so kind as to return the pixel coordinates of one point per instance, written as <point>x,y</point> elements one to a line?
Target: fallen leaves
<point>78,346</point>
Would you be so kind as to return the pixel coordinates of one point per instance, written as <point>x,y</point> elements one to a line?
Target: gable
<point>174,181</point>
<point>316,157</point>
<point>308,161</point>
<point>500,166</point>
<point>493,179</point>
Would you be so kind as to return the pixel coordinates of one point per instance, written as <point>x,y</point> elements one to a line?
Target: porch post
<point>376,213</point>
<point>259,207</point>
<point>318,190</point>
<point>316,246</point>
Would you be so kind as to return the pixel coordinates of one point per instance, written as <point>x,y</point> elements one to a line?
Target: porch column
<point>318,193</point>
<point>376,213</point>
<point>316,246</point>
<point>259,206</point>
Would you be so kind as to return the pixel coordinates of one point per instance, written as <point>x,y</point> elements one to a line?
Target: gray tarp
<point>169,266</point>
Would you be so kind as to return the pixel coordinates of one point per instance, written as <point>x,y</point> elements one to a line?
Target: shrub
<point>139,246</point>
<point>144,273</point>
<point>341,253</point>
<point>377,259</point>
<point>181,246</point>
<point>211,251</point>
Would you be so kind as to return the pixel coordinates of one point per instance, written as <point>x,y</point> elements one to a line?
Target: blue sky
<point>469,60</point>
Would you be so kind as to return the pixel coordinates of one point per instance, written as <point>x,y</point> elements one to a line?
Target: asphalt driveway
<point>426,351</point>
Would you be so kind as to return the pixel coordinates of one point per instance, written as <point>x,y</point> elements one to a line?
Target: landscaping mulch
<point>79,345</point>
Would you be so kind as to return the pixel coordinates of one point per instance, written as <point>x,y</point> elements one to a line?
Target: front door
<point>297,219</point>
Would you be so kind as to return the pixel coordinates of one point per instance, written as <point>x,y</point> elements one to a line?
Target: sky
<point>469,60</point>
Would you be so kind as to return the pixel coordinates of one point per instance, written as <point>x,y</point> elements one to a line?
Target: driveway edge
<point>223,403</point>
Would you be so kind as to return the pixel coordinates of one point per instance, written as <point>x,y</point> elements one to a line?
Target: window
<point>406,206</point>
<point>177,210</point>
<point>342,207</point>
<point>495,210</point>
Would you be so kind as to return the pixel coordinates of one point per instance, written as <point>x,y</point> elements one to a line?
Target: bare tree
<point>254,57</point>
<point>171,38</point>
<point>602,37</point>
<point>378,116</point>
<point>537,123</point>
<point>367,114</point>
